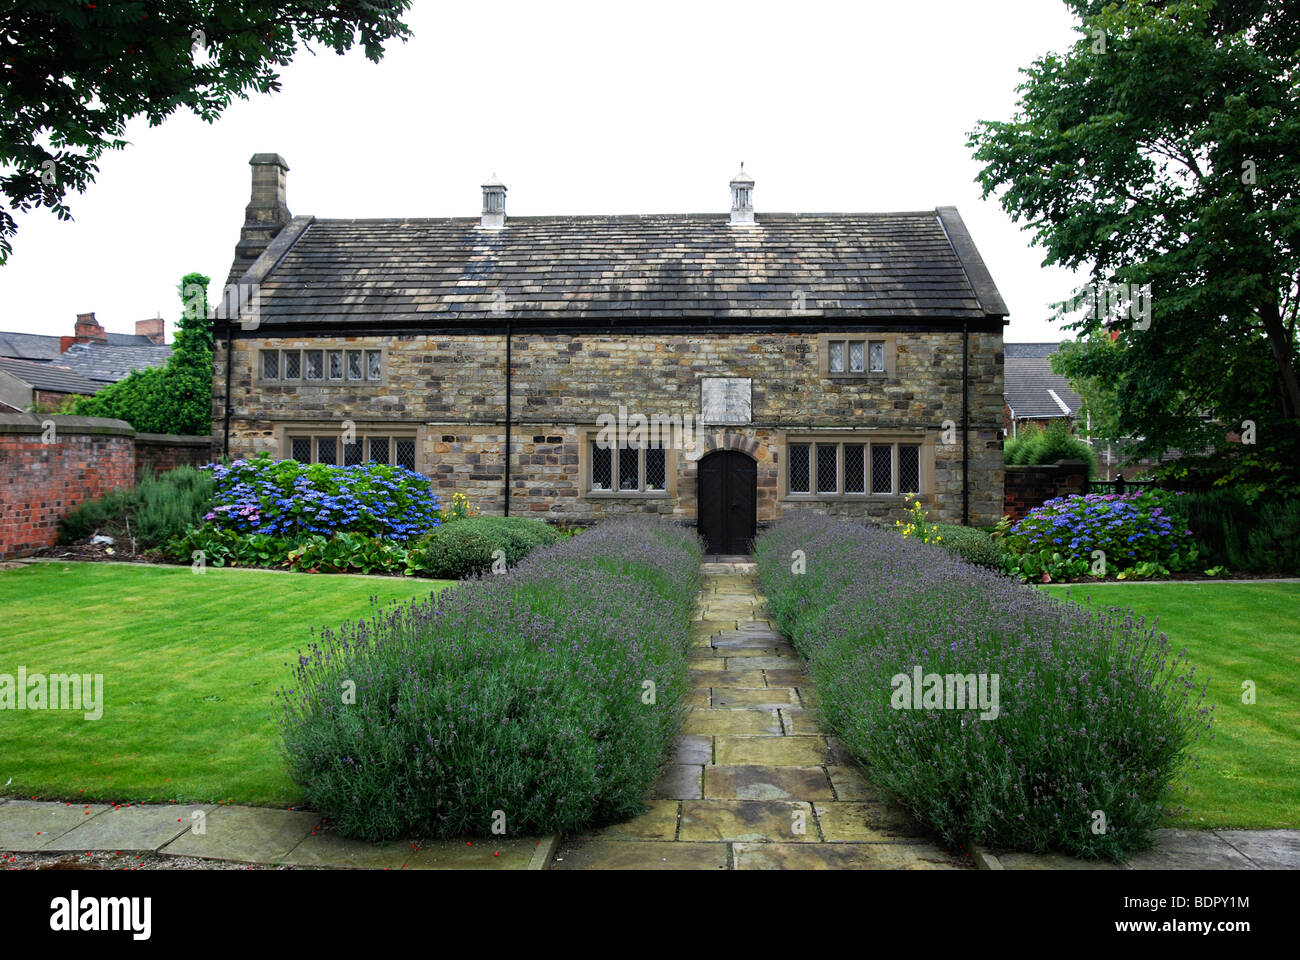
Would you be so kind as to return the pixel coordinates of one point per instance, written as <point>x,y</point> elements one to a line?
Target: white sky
<point>579,108</point>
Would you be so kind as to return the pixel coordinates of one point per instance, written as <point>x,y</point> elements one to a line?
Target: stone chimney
<point>152,328</point>
<point>742,198</point>
<point>267,211</point>
<point>494,204</point>
<point>87,330</point>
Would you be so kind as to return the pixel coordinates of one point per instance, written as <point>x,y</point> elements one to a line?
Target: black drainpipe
<point>965,424</point>
<point>507,511</point>
<point>225,443</point>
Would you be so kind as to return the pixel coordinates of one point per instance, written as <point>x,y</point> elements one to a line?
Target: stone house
<point>720,369</point>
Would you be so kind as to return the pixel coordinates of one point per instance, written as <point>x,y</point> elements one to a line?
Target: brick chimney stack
<point>87,330</point>
<point>151,328</point>
<point>267,211</point>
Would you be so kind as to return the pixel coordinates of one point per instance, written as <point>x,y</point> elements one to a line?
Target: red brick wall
<point>40,482</point>
<point>1028,487</point>
<point>159,452</point>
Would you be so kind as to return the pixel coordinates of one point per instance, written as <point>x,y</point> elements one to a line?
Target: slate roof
<point>48,376</point>
<point>29,346</point>
<point>43,347</point>
<point>108,363</point>
<point>1027,381</point>
<point>1030,349</point>
<point>449,272</point>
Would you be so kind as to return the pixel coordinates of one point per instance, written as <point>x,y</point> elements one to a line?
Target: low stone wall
<point>160,452</point>
<point>1027,487</point>
<point>48,465</point>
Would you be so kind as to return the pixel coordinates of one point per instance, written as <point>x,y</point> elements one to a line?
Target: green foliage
<point>1245,535</point>
<point>174,398</point>
<point>1194,194</point>
<point>451,553</point>
<point>1079,711</point>
<point>971,544</point>
<point>1128,536</point>
<point>515,536</point>
<point>1038,445</point>
<point>77,72</point>
<point>550,693</point>
<point>159,509</point>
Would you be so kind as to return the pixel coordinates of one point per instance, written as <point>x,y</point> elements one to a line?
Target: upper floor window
<point>861,357</point>
<point>321,365</point>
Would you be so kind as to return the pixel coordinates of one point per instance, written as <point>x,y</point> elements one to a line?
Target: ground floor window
<point>627,469</point>
<point>848,468</point>
<point>349,450</point>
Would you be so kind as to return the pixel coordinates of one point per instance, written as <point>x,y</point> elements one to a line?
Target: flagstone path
<point>753,783</point>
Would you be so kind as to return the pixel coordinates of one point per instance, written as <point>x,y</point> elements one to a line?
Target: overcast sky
<point>579,108</point>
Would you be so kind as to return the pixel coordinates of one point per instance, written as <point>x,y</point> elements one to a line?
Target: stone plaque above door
<point>725,400</point>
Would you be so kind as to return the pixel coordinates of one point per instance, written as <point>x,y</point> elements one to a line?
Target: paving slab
<point>693,748</point>
<point>792,676</point>
<point>326,848</point>
<point>133,829</point>
<point>846,821</point>
<point>246,834</point>
<point>697,697</point>
<point>766,662</point>
<point>29,825</point>
<point>1052,861</point>
<point>752,782</point>
<point>1269,849</point>
<point>1189,850</point>
<point>703,668</point>
<point>850,784</point>
<point>641,855</point>
<point>680,781</point>
<point>737,676</point>
<point>753,820</point>
<point>792,751</point>
<point>742,639</point>
<point>760,697</point>
<point>747,653</point>
<point>657,823</point>
<point>843,856</point>
<point>715,722</point>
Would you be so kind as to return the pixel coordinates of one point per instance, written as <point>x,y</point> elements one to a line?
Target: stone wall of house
<point>1027,487</point>
<point>453,389</point>
<point>48,465</point>
<point>160,452</point>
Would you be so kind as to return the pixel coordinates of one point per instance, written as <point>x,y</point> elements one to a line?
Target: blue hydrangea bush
<point>1095,711</point>
<point>1141,534</point>
<point>543,699</point>
<point>288,499</point>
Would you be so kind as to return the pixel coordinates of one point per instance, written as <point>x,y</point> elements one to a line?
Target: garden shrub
<point>453,552</point>
<point>159,508</point>
<point>1142,534</point>
<point>971,544</point>
<point>549,693</point>
<point>1038,445</point>
<point>291,499</point>
<point>1095,711</point>
<point>1230,530</point>
<point>515,536</point>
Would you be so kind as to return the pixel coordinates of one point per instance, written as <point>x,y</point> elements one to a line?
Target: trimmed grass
<point>1249,773</point>
<point>190,665</point>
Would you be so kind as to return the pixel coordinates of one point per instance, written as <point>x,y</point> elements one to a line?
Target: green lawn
<point>1249,772</point>
<point>190,665</point>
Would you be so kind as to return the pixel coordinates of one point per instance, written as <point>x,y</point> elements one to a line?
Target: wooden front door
<point>728,501</point>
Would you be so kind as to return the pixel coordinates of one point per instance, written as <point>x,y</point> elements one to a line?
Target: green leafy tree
<point>1099,414</point>
<point>1163,149</point>
<point>72,75</point>
<point>176,397</point>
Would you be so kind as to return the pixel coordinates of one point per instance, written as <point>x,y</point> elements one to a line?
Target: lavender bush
<point>1095,711</point>
<point>549,693</point>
